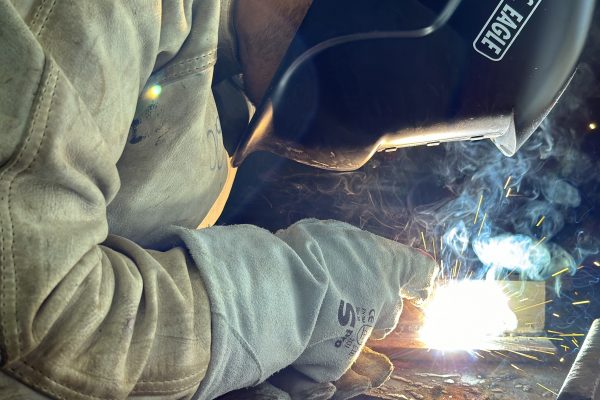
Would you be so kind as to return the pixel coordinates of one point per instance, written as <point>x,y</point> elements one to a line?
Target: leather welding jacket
<point>108,133</point>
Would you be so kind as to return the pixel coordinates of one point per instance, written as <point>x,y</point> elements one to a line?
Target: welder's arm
<point>84,315</point>
<point>309,296</point>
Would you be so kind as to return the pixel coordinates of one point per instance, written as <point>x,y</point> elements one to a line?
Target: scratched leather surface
<point>84,313</point>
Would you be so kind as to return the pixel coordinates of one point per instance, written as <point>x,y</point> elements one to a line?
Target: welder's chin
<point>336,147</point>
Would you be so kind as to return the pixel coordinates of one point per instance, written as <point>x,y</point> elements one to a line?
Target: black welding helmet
<point>363,76</point>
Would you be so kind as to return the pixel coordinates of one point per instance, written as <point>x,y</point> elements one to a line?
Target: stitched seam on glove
<point>26,157</point>
<point>245,345</point>
<point>47,387</point>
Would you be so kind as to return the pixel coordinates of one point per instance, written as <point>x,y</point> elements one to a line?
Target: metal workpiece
<point>584,377</point>
<point>527,337</point>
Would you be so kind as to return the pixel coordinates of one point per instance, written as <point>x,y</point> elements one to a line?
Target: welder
<point>114,164</point>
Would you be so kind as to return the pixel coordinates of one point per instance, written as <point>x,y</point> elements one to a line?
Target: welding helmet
<point>363,76</point>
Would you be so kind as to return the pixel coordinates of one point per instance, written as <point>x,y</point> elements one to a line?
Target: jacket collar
<point>228,64</point>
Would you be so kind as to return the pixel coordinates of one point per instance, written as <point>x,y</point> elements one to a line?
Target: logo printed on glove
<point>347,317</point>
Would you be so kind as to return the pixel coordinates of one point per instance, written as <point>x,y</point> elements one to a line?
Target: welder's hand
<point>307,297</point>
<point>369,371</point>
<point>368,278</point>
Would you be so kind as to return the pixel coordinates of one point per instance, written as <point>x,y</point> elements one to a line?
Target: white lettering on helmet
<point>503,27</point>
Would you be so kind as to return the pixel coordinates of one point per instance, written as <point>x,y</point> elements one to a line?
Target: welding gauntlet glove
<point>370,370</point>
<point>309,297</point>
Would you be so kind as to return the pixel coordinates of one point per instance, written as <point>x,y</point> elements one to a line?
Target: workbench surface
<point>487,379</point>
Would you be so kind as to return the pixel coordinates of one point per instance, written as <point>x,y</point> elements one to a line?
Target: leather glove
<point>368,277</point>
<point>370,371</point>
<point>308,297</point>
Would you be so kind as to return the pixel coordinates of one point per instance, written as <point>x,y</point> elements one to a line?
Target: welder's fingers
<point>417,275</point>
<point>301,387</point>
<point>351,385</point>
<point>264,391</point>
<point>370,370</point>
<point>375,366</point>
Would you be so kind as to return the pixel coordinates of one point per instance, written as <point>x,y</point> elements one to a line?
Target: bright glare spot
<point>153,92</point>
<point>593,126</point>
<point>466,315</point>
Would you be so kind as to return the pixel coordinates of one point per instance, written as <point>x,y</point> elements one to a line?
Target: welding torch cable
<point>583,380</point>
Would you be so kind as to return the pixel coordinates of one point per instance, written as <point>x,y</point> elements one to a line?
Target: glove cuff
<point>264,303</point>
<point>231,362</point>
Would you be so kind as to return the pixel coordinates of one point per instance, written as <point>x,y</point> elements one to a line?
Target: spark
<point>565,347</point>
<point>532,306</point>
<point>545,351</point>
<point>542,240</point>
<point>507,182</point>
<point>562,360</point>
<point>455,268</point>
<point>478,355</point>
<point>575,342</point>
<point>433,247</point>
<point>424,242</point>
<point>580,267</point>
<point>482,222</point>
<point>578,303</point>
<point>508,192</point>
<point>478,208</point>
<point>515,367</point>
<point>597,263</point>
<point>550,390</point>
<point>556,315</point>
<point>459,267</point>
<point>562,271</point>
<point>524,355</point>
<point>593,126</point>
<point>555,332</point>
<point>541,221</point>
<point>499,354</point>
<point>571,334</point>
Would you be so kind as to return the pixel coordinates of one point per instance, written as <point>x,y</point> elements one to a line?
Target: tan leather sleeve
<point>84,315</point>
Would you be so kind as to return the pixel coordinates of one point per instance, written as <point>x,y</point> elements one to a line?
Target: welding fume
<point>124,126</point>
